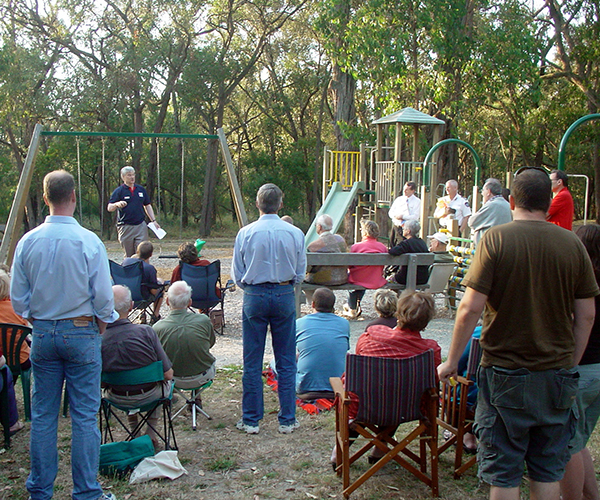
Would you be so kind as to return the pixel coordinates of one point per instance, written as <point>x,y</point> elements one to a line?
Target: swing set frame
<point>15,218</point>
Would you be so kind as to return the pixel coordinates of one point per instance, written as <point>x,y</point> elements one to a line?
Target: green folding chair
<point>150,373</point>
<point>12,337</point>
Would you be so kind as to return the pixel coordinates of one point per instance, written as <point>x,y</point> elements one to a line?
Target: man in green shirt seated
<point>187,338</point>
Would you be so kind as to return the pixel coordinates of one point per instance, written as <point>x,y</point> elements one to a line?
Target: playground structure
<point>374,176</point>
<point>12,231</point>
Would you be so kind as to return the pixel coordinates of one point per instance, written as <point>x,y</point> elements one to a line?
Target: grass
<point>223,463</point>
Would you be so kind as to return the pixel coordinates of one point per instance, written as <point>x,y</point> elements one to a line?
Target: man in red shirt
<point>561,210</point>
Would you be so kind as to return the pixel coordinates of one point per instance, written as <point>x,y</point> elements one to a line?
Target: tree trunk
<point>343,87</point>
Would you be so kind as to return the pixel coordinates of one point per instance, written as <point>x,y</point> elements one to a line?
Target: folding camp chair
<point>144,375</point>
<point>132,277</point>
<point>456,414</point>
<point>207,292</point>
<point>391,392</point>
<point>4,417</point>
<point>191,402</point>
<point>12,337</point>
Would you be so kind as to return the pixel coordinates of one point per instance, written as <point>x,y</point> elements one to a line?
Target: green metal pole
<point>426,173</point>
<point>131,134</point>
<point>563,143</point>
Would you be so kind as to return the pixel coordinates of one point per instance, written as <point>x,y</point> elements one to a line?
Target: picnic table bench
<point>412,260</point>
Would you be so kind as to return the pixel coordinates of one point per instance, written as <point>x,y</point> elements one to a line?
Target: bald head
<point>123,302</point>
<point>179,295</point>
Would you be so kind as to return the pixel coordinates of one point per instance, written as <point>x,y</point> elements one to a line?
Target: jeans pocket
<point>566,384</point>
<point>38,346</point>
<point>508,388</point>
<point>82,347</point>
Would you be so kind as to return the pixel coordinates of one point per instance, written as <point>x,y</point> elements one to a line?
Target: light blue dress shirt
<point>268,251</point>
<point>60,271</point>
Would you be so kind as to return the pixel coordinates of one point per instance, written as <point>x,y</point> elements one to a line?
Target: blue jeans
<point>62,351</point>
<point>269,305</point>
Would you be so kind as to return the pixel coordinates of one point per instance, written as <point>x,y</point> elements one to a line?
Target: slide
<point>336,205</point>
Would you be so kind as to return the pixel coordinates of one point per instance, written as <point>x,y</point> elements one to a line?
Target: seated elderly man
<point>187,338</point>
<point>127,346</point>
<point>152,285</point>
<point>322,341</point>
<point>327,242</point>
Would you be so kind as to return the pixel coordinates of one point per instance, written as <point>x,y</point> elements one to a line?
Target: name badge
<point>126,197</point>
<point>141,195</point>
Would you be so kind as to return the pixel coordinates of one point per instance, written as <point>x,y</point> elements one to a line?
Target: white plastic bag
<point>163,464</point>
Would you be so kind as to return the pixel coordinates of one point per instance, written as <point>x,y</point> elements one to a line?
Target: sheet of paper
<point>158,231</point>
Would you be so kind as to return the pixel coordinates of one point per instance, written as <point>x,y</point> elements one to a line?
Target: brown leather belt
<point>133,392</point>
<point>272,283</point>
<point>78,318</point>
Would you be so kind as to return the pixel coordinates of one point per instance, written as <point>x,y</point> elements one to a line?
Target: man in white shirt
<point>407,207</point>
<point>453,206</point>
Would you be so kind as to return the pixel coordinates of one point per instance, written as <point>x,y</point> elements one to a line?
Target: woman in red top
<point>367,276</point>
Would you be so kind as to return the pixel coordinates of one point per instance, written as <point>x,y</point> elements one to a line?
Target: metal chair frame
<point>146,374</point>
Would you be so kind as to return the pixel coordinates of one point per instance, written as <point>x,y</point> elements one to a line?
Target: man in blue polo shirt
<point>133,204</point>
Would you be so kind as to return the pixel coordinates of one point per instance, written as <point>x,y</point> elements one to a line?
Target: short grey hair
<point>325,221</point>
<point>370,228</point>
<point>269,198</point>
<point>413,227</point>
<point>386,302</point>
<point>494,185</point>
<point>127,170</point>
<point>122,297</point>
<point>179,295</point>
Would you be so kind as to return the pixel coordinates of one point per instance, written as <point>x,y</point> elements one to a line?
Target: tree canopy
<point>285,78</point>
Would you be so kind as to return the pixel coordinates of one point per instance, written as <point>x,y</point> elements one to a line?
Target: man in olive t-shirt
<point>536,283</point>
<point>187,338</point>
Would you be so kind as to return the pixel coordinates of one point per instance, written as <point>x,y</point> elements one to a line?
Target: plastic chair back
<point>439,274</point>
<point>12,337</point>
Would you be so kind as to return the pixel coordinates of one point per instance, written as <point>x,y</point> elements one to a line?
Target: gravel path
<point>228,348</point>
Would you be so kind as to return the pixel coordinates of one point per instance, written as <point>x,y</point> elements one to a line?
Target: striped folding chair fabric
<point>456,415</point>
<point>391,392</point>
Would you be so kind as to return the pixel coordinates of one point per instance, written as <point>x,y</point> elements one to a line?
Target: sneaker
<point>107,496</point>
<point>248,429</point>
<point>350,313</point>
<point>288,429</point>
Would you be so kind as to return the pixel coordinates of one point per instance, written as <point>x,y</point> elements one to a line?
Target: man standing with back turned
<point>61,255</point>
<point>538,316</point>
<point>268,259</point>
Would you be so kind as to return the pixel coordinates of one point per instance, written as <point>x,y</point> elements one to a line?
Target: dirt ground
<point>222,462</point>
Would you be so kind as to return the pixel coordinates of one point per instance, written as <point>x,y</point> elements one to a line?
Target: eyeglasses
<point>522,169</point>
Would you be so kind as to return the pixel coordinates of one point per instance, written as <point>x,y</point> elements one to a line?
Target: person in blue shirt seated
<point>152,287</point>
<point>322,341</point>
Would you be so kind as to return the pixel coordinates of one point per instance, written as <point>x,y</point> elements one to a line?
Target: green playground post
<point>426,174</point>
<point>563,143</point>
